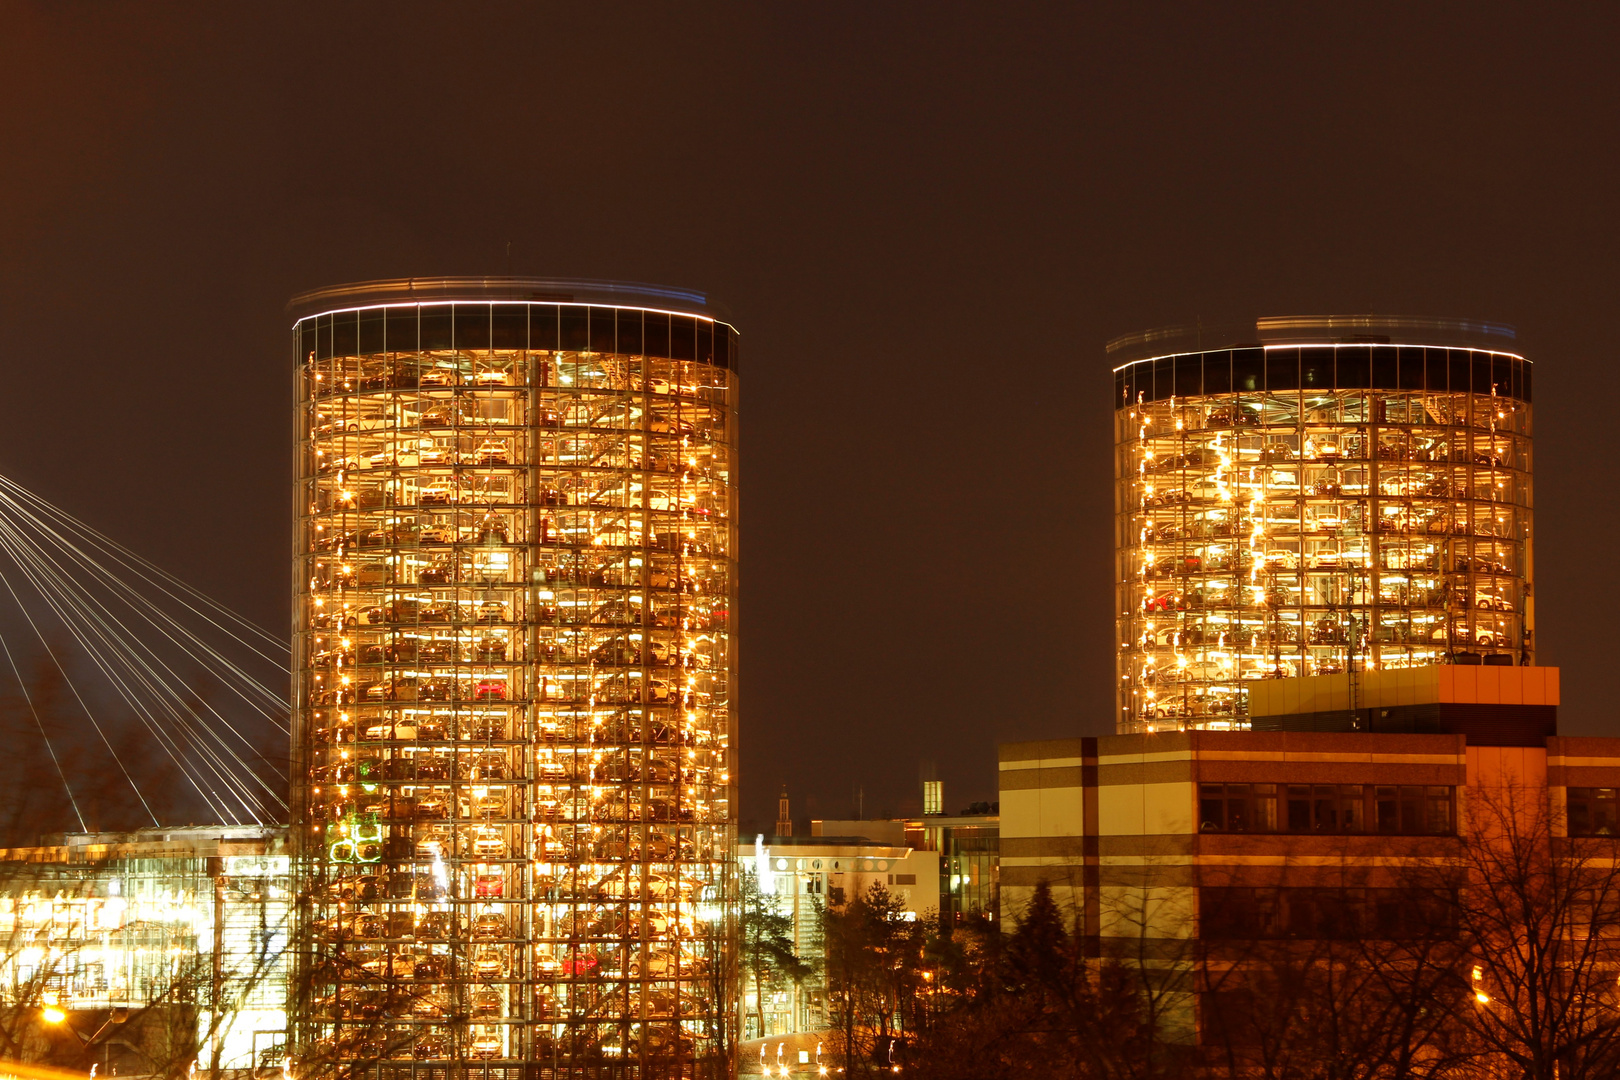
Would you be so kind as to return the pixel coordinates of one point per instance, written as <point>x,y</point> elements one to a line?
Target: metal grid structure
<point>515,544</point>
<point>1315,508</point>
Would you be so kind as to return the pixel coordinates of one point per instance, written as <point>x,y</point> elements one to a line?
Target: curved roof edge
<point>440,290</point>
<point>1314,330</point>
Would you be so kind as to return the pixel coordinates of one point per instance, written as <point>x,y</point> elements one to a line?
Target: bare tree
<point>1538,922</point>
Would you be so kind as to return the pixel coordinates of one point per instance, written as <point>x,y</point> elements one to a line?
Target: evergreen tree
<point>767,945</point>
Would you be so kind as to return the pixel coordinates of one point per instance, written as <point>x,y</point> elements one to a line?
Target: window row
<point>473,328</point>
<point>1239,913</point>
<point>1415,810</point>
<point>1323,367</point>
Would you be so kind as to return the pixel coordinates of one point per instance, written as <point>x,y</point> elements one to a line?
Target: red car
<point>1165,602</point>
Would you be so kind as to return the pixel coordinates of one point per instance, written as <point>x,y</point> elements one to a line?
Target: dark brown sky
<point>926,219</point>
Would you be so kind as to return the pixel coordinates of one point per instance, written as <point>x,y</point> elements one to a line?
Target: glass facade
<point>515,544</point>
<point>1315,509</point>
<point>969,871</point>
<point>132,921</point>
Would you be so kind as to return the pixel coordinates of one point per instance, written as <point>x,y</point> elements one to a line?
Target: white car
<point>1204,671</point>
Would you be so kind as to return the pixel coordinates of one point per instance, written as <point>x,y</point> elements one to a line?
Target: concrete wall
<point>1459,684</point>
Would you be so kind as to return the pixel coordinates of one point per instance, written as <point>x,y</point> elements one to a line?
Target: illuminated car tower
<point>514,544</point>
<point>1317,496</point>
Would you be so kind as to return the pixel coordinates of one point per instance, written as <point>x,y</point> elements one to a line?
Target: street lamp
<point>52,1012</point>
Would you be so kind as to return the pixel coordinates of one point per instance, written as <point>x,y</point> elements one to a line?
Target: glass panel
<point>1316,369</point>
<point>705,341</point>
<point>629,332</point>
<point>1248,370</point>
<point>682,338</point>
<point>543,327</point>
<point>1354,367</point>
<point>1189,374</point>
<point>574,327</point>
<point>725,348</point>
<point>1217,373</point>
<point>603,329</point>
<point>1461,369</point>
<point>435,328</point>
<point>1282,369</point>
<point>472,327</point>
<point>1482,373</point>
<point>655,325</point>
<point>509,326</point>
<point>345,333</point>
<point>400,330</point>
<point>1411,368</point>
<point>1164,378</point>
<point>371,330</point>
<point>1386,369</point>
<point>1436,370</point>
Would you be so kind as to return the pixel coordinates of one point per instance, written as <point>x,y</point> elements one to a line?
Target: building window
<point>1325,808</point>
<point>1410,809</point>
<point>933,797</point>
<point>1238,913</point>
<point>1592,811</point>
<point>1414,810</point>
<point>1237,807</point>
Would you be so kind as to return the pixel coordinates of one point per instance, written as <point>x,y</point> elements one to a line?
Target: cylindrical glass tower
<point>1335,496</point>
<point>515,551</point>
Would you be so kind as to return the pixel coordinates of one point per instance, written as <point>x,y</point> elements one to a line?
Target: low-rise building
<point>805,875</point>
<point>1162,845</point>
<point>136,942</point>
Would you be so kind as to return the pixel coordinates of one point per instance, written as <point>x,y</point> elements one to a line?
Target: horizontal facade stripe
<point>1144,875</point>
<point>1358,744</point>
<point>1130,759</point>
<point>1150,949</point>
<point>1322,772</point>
<point>1332,875</point>
<point>1150,772</point>
<point>1375,759</point>
<point>1147,845</point>
<point>1041,847</point>
<point>1364,846</point>
<point>1030,876</point>
<point>1041,763</point>
<point>1584,775</point>
<point>1035,751</point>
<point>1028,779</point>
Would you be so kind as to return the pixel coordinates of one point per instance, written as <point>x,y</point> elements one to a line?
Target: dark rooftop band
<point>1326,367</point>
<point>538,327</point>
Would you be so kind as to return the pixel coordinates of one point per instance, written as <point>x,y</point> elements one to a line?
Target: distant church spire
<point>784,815</point>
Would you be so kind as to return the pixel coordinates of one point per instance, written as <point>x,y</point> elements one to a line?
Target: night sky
<point>926,221</point>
